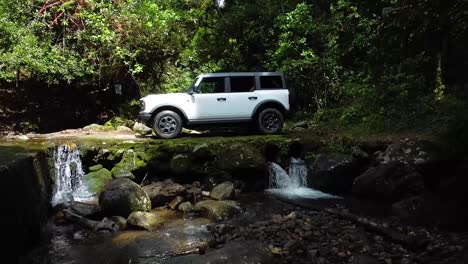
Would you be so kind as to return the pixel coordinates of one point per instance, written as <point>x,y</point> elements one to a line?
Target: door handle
<point>252,98</point>
<point>221,99</point>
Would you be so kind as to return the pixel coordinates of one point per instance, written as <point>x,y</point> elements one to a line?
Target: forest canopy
<point>370,60</point>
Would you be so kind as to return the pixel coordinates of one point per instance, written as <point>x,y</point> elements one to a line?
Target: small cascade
<point>294,184</point>
<point>69,174</point>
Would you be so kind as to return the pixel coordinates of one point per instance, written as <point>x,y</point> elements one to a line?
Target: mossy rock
<point>130,163</point>
<point>237,156</point>
<point>96,127</point>
<point>97,180</point>
<point>218,209</point>
<point>95,167</point>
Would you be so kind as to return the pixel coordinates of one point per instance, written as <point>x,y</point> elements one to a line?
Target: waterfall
<point>69,174</point>
<point>294,183</point>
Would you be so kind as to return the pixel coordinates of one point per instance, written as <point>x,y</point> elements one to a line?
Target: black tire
<point>167,124</point>
<point>270,121</point>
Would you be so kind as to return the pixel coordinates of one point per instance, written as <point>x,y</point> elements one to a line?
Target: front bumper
<point>145,118</point>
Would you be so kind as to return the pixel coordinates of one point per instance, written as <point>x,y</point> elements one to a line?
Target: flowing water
<point>294,184</point>
<point>69,185</point>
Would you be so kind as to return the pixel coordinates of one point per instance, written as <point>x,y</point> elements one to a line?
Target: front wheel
<point>167,124</point>
<point>270,121</point>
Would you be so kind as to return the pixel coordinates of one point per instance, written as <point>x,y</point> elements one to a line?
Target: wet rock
<point>122,197</point>
<point>223,191</point>
<point>151,220</point>
<point>96,181</point>
<point>180,164</point>
<point>218,209</point>
<point>186,207</point>
<point>176,202</point>
<point>334,172</point>
<point>391,181</point>
<point>141,129</point>
<point>163,192</point>
<point>240,156</point>
<point>84,209</point>
<point>95,167</point>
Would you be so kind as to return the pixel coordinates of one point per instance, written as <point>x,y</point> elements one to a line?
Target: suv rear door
<point>242,96</point>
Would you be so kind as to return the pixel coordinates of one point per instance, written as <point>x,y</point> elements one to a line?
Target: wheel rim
<point>167,125</point>
<point>271,122</point>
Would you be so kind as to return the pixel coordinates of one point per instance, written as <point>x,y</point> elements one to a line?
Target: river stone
<point>141,128</point>
<point>218,209</point>
<point>175,202</point>
<point>163,192</point>
<point>390,181</point>
<point>151,220</point>
<point>95,167</point>
<point>186,207</point>
<point>97,180</point>
<point>122,197</point>
<point>180,164</point>
<point>223,191</point>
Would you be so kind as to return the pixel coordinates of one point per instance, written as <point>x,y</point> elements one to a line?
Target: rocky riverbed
<point>199,200</point>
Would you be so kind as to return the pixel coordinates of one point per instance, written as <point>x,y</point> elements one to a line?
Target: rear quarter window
<point>271,82</point>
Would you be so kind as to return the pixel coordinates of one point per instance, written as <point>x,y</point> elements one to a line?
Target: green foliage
<point>377,64</point>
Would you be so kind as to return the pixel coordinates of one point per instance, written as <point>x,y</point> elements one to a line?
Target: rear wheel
<point>167,124</point>
<point>270,121</point>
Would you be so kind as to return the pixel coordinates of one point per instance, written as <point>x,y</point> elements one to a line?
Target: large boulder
<point>97,180</point>
<point>151,220</point>
<point>334,172</point>
<point>223,191</point>
<point>240,156</point>
<point>122,197</point>
<point>129,163</point>
<point>218,209</point>
<point>390,181</point>
<point>163,192</point>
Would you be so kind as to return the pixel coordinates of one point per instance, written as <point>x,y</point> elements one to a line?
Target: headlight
<point>142,105</point>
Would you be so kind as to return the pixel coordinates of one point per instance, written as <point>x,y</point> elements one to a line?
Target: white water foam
<point>69,174</point>
<point>294,184</point>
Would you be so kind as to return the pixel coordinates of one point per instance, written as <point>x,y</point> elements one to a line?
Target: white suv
<point>215,98</point>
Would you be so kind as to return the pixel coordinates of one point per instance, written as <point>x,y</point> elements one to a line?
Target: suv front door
<point>209,102</point>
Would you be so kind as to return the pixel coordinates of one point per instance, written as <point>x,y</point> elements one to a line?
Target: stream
<point>288,220</point>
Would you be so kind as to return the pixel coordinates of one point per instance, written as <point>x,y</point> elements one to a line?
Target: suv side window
<point>211,85</point>
<point>271,82</point>
<point>242,84</point>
